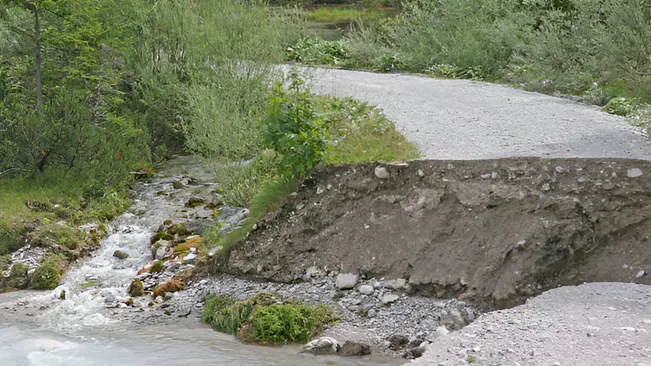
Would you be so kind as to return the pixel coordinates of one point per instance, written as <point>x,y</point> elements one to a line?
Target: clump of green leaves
<point>266,318</point>
<point>18,277</point>
<point>46,276</point>
<point>294,129</point>
<point>621,106</point>
<point>314,50</point>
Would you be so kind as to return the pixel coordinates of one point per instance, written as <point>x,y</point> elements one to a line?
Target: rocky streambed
<point>142,278</point>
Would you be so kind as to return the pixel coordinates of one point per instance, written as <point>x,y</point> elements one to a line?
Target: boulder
<point>190,258</point>
<point>355,349</point>
<point>120,254</point>
<point>346,281</point>
<point>136,288</point>
<point>322,346</point>
<point>366,289</point>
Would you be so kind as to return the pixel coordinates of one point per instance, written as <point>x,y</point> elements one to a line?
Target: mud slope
<point>493,232</point>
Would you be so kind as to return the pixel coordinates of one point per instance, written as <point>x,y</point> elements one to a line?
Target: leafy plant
<point>294,129</point>
<point>318,51</point>
<point>46,276</point>
<point>621,106</point>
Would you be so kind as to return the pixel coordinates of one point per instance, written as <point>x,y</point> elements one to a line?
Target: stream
<point>92,326</point>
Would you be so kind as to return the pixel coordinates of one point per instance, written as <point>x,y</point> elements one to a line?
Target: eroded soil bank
<point>492,232</point>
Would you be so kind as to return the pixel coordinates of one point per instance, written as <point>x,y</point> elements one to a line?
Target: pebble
<point>640,274</point>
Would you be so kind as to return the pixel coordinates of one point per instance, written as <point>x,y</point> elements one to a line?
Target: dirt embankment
<point>493,232</point>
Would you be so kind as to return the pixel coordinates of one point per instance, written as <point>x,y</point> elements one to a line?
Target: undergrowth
<point>266,318</point>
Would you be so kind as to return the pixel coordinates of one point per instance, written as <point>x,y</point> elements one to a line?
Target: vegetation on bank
<point>593,48</point>
<point>266,318</point>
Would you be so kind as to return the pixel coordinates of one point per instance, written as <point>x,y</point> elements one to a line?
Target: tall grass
<point>347,15</point>
<point>566,45</point>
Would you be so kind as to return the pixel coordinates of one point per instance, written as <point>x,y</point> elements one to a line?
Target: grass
<point>346,15</point>
<point>266,318</point>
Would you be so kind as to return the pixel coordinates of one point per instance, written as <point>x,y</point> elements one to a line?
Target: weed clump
<point>266,318</point>
<point>46,276</point>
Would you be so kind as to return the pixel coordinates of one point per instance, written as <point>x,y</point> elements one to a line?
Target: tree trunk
<point>37,60</point>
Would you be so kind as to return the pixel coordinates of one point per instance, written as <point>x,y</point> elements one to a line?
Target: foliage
<point>621,106</point>
<point>18,277</point>
<point>46,276</point>
<point>314,50</point>
<point>295,130</point>
<point>266,318</point>
<point>340,15</point>
<point>240,182</point>
<point>293,323</point>
<point>50,235</point>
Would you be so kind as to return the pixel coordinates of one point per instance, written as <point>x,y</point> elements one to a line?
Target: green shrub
<point>293,323</point>
<point>5,262</point>
<point>157,267</point>
<point>621,106</point>
<point>266,318</point>
<point>318,51</point>
<point>46,276</point>
<point>58,234</point>
<point>294,129</point>
<point>18,278</point>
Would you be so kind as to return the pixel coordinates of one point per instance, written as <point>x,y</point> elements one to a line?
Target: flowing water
<point>89,328</point>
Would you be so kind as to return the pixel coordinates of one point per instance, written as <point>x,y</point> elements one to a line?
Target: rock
<point>110,299</point>
<point>397,342</point>
<point>640,274</point>
<point>168,295</point>
<point>366,289</point>
<point>120,254</point>
<point>398,284</point>
<point>390,298</point>
<point>136,288</point>
<point>372,313</point>
<point>190,258</point>
<point>169,286</point>
<point>634,173</point>
<point>312,271</point>
<point>322,346</point>
<point>381,172</point>
<point>416,352</point>
<point>195,202</point>
<point>177,185</point>
<point>346,281</point>
<point>442,331</point>
<point>355,349</point>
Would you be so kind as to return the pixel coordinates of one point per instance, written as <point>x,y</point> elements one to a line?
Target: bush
<point>18,278</point>
<point>294,129</point>
<point>240,182</point>
<point>318,51</point>
<point>621,106</point>
<point>46,276</point>
<point>266,318</point>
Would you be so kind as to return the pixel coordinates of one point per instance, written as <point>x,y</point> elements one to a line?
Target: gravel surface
<point>588,325</point>
<point>462,119</point>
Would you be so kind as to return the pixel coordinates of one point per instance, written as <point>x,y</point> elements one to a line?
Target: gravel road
<point>588,325</point>
<point>462,119</point>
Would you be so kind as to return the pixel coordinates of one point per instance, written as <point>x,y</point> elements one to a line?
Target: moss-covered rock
<point>266,318</point>
<point>46,276</point>
<point>169,286</point>
<point>136,289</point>
<point>195,202</point>
<point>158,267</point>
<point>120,254</point>
<point>161,236</point>
<point>18,278</point>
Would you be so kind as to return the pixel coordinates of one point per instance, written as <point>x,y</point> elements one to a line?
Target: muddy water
<point>40,329</point>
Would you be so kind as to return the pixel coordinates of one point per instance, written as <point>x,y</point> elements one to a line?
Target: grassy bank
<point>342,15</point>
